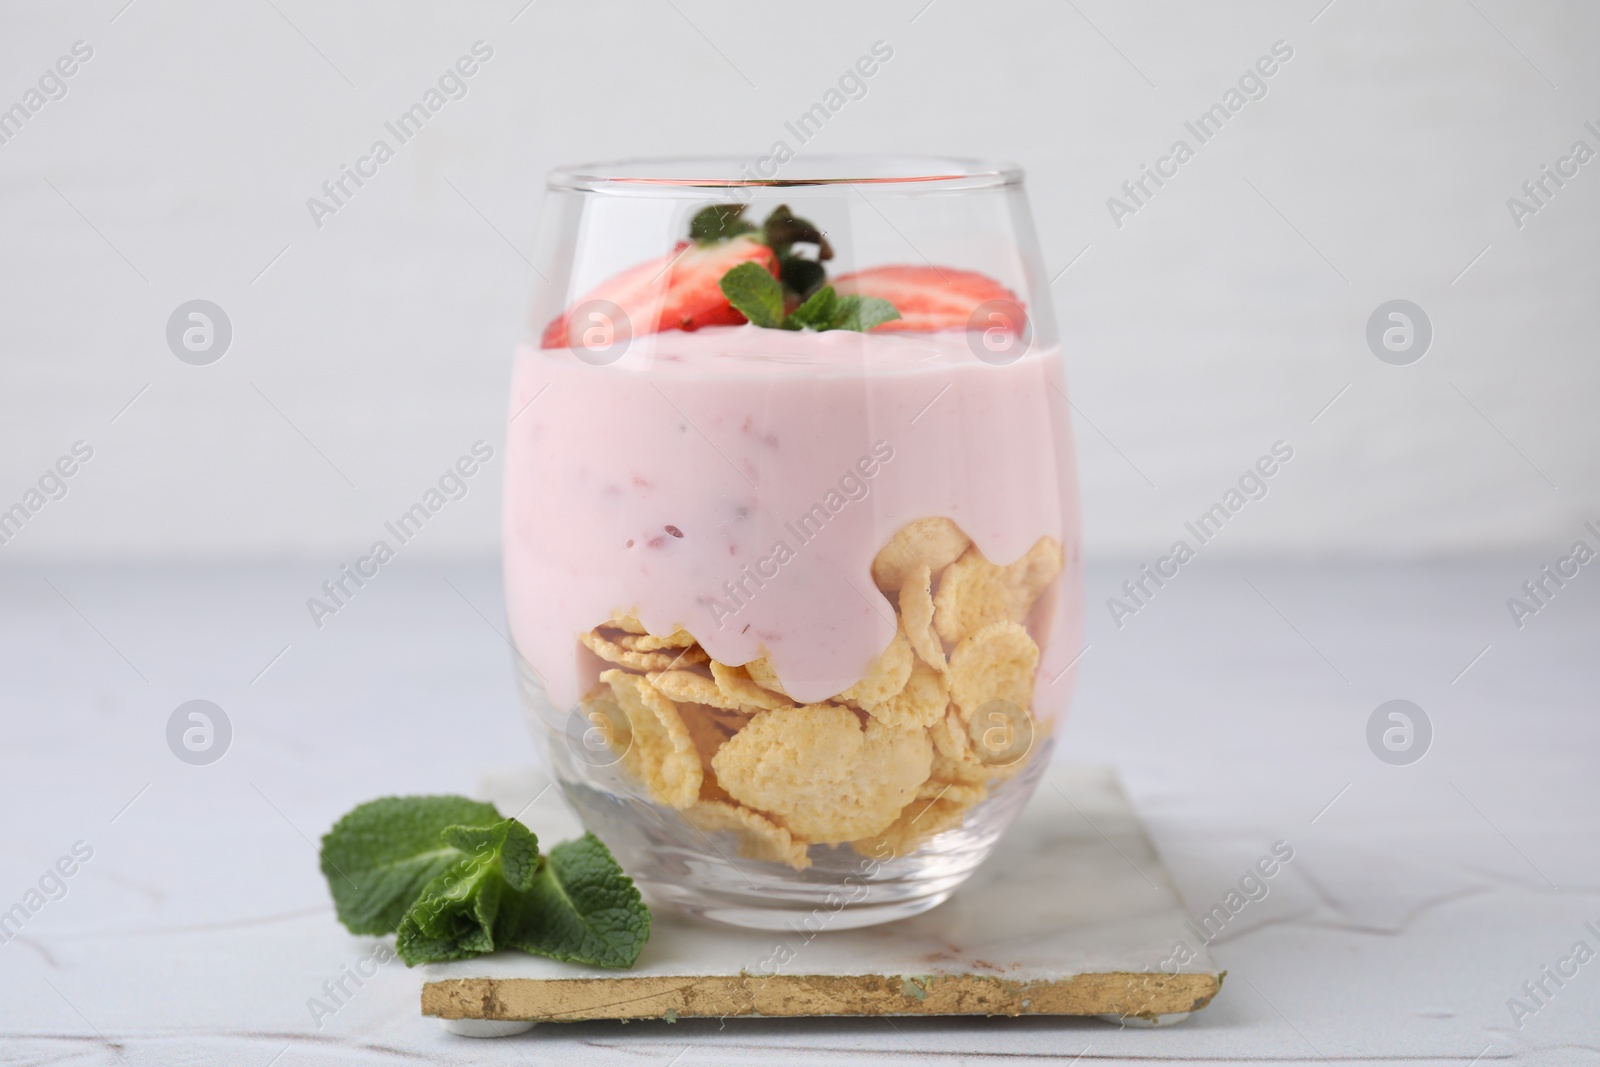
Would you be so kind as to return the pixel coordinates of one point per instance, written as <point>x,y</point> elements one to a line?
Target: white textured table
<point>1420,898</point>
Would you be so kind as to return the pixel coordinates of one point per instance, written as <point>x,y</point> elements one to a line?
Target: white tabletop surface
<point>1419,901</point>
<point>1074,888</point>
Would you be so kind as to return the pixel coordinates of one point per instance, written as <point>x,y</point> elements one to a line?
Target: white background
<point>1224,316</point>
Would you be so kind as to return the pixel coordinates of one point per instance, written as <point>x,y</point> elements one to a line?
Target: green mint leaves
<point>763,299</point>
<point>718,222</point>
<point>452,879</point>
<point>800,274</point>
<point>756,293</point>
<point>781,231</point>
<point>826,310</point>
<point>752,289</point>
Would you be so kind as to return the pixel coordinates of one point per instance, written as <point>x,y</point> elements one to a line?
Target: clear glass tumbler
<point>791,526</point>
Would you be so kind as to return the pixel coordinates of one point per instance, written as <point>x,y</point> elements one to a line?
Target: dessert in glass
<point>791,526</point>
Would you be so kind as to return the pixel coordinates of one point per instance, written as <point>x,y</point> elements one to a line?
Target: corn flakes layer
<point>903,754</point>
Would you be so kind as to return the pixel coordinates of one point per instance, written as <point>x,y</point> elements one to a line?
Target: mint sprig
<point>452,879</point>
<point>752,289</point>
<point>801,275</point>
<point>755,292</point>
<point>718,222</point>
<point>826,310</point>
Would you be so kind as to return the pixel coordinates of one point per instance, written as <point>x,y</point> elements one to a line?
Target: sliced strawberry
<point>679,291</point>
<point>928,298</point>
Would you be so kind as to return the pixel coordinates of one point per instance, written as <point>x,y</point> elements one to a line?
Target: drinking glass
<point>791,539</point>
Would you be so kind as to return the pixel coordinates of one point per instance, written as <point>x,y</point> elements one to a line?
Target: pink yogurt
<point>738,481</point>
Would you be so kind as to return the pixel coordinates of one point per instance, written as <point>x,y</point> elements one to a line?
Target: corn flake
<point>1000,732</point>
<point>759,837</point>
<point>953,760</point>
<point>995,663</point>
<point>886,677</point>
<point>818,774</point>
<point>613,652</point>
<point>949,735</point>
<point>687,685</point>
<point>660,751</point>
<point>916,616</point>
<point>627,622</point>
<point>737,686</point>
<point>1034,572</point>
<point>974,592</point>
<point>965,795</point>
<point>932,542</point>
<point>957,762</point>
<point>922,819</point>
<point>959,771</point>
<point>920,704</point>
<point>679,638</point>
<point>761,672</point>
<point>709,728</point>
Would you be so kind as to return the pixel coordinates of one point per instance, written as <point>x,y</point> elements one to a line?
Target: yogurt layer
<point>738,481</point>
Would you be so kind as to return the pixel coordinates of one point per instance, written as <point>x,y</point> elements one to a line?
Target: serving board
<point>1073,914</point>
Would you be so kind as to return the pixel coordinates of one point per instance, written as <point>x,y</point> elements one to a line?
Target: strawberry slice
<point>928,298</point>
<point>679,291</point>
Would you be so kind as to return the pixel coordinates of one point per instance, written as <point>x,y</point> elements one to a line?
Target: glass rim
<point>642,174</point>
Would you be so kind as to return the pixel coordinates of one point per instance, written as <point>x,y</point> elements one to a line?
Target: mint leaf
<point>861,313</point>
<point>817,311</point>
<point>380,856</point>
<point>759,295</point>
<point>799,275</point>
<point>452,879</point>
<point>755,292</point>
<point>454,917</point>
<point>718,222</point>
<point>581,909</point>
<point>826,310</point>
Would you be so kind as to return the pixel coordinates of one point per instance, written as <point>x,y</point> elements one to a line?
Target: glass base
<point>680,867</point>
<point>756,914</point>
<point>704,876</point>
